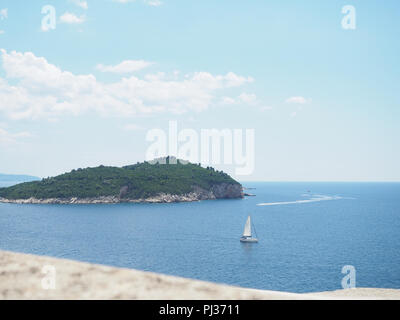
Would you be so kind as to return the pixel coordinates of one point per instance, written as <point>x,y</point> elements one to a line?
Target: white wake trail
<point>315,198</point>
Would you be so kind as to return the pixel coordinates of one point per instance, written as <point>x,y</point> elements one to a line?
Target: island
<point>162,180</point>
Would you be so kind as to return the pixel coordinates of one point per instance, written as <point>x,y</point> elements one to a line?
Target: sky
<point>323,99</point>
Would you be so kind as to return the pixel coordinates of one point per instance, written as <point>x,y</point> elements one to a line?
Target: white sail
<point>247,228</point>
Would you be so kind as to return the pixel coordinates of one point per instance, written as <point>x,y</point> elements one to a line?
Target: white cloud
<point>11,138</point>
<point>233,80</point>
<point>3,14</point>
<point>127,66</point>
<point>71,18</point>
<point>228,100</point>
<point>248,98</point>
<point>81,3</point>
<point>2,31</point>
<point>39,89</point>
<point>154,3</point>
<point>298,100</point>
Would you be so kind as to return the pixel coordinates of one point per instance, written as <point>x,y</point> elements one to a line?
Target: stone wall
<point>25,276</point>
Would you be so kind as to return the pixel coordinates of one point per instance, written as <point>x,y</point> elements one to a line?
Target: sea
<point>311,236</point>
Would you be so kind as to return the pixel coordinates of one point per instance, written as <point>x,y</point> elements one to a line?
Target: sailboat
<point>247,237</point>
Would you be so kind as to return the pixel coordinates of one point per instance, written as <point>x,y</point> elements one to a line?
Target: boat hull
<point>248,240</point>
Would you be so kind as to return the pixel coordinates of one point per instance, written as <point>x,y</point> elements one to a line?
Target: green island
<point>162,180</point>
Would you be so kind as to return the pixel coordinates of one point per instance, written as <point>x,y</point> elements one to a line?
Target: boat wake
<point>315,198</point>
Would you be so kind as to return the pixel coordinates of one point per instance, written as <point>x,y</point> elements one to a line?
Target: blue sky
<point>323,101</point>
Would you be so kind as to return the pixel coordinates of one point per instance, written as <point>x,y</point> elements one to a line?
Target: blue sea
<point>307,232</point>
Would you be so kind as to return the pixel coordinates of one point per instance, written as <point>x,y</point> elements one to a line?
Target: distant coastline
<point>17,178</point>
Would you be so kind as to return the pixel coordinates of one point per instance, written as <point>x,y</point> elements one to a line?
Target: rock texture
<point>28,277</point>
<point>221,191</point>
<point>227,191</point>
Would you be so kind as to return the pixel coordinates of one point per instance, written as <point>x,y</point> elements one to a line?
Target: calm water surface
<point>302,247</point>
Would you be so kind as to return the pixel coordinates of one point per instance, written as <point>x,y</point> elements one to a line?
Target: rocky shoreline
<point>223,191</point>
